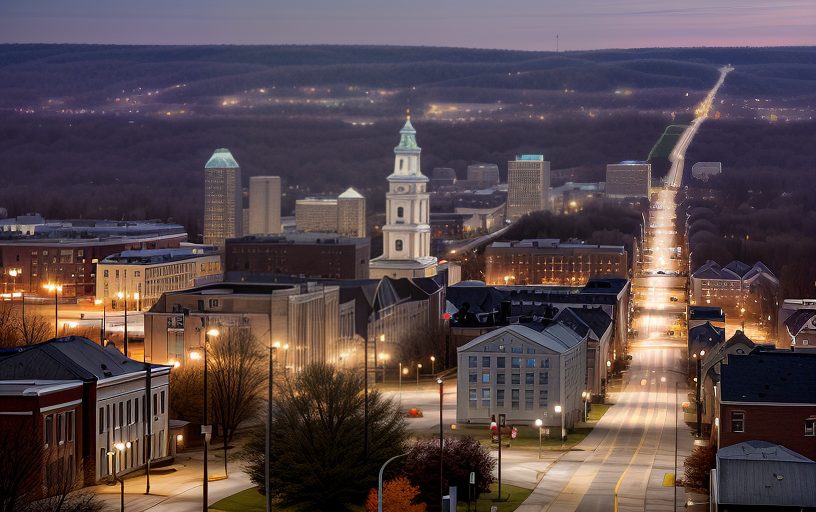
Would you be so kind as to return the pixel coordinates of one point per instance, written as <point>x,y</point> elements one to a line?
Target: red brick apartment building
<point>769,396</point>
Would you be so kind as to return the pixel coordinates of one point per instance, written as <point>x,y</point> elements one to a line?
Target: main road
<point>628,461</point>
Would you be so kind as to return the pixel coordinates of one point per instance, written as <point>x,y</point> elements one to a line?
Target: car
<point>673,299</point>
<point>660,272</point>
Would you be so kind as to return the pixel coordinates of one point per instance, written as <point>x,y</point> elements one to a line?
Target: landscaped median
<point>251,500</point>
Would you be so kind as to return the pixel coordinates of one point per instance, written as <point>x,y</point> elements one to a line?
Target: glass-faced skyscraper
<point>223,204</point>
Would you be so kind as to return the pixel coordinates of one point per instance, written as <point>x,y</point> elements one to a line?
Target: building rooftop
<point>787,377</point>
<point>67,231</point>
<point>734,271</point>
<point>765,476</point>
<point>350,193</point>
<point>221,159</point>
<point>36,387</point>
<point>553,336</point>
<point>67,358</point>
<point>300,239</point>
<point>798,320</point>
<point>529,158</point>
<point>156,256</point>
<point>633,162</point>
<point>553,243</point>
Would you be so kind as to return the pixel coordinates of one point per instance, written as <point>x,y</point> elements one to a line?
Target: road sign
<point>472,478</point>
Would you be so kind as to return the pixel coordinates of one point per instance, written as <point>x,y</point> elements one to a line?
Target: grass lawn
<point>667,141</point>
<point>251,500</point>
<point>516,496</point>
<point>598,410</point>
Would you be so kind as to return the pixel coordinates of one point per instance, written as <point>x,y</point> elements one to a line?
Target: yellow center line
<point>634,455</point>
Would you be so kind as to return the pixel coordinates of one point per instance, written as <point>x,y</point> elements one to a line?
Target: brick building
<point>316,255</point>
<point>779,408</point>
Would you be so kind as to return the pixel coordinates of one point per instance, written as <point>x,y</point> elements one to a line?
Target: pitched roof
<point>350,193</point>
<point>797,320</point>
<point>596,318</point>
<point>704,337</point>
<point>221,159</point>
<point>787,377</point>
<point>555,337</point>
<point>67,358</point>
<point>764,475</point>
<point>571,320</point>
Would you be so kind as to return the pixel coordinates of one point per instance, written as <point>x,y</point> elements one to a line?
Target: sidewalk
<point>176,491</point>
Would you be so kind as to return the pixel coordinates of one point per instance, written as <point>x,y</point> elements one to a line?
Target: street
<point>627,463</point>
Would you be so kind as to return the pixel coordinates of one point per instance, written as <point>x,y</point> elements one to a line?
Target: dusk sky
<point>518,24</point>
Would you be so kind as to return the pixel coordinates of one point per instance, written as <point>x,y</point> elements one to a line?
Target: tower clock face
<point>400,189</point>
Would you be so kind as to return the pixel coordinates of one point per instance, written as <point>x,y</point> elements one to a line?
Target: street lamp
<point>206,428</point>
<point>698,382</point>
<point>539,424</point>
<point>273,348</point>
<point>419,366</point>
<point>103,332</point>
<point>120,447</point>
<point>433,363</point>
<point>559,410</point>
<point>742,315</point>
<point>441,441</point>
<point>585,396</point>
<point>56,288</point>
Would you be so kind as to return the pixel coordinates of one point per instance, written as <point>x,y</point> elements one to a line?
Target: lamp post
<point>742,316</point>
<point>539,424</point>
<point>56,288</point>
<point>433,365</point>
<point>441,442</point>
<point>121,447</point>
<point>380,481</point>
<point>419,366</point>
<point>365,400</point>
<point>560,411</point>
<point>698,382</point>
<point>585,396</point>
<point>267,460</point>
<point>206,428</point>
<point>104,327</point>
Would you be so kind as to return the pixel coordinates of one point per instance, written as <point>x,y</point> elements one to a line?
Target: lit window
<point>810,427</point>
<point>738,421</point>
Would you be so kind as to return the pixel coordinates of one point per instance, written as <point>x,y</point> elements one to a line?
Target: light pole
<point>539,424</point>
<point>206,428</point>
<point>121,447</point>
<point>441,442</point>
<point>742,316</point>
<point>560,411</point>
<point>698,382</point>
<point>56,288</point>
<point>433,365</point>
<point>267,459</point>
<point>585,396</point>
<point>380,481</point>
<point>419,366</point>
<point>365,400</point>
<point>104,327</point>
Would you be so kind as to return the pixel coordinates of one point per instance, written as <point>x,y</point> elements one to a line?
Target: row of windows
<point>128,412</point>
<point>529,398</point>
<point>738,424</point>
<point>515,378</point>
<point>515,362</point>
<point>60,426</point>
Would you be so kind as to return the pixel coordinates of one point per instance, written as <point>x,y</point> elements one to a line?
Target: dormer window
<point>401,162</point>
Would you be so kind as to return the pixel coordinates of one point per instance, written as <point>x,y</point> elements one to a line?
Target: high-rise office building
<point>351,213</point>
<point>407,232</point>
<point>630,178</point>
<point>223,200</point>
<point>264,205</point>
<point>528,185</point>
<point>483,175</point>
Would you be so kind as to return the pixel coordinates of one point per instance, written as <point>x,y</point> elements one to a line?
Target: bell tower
<point>407,231</point>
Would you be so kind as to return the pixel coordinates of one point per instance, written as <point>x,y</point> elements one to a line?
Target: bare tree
<point>34,329</point>
<point>237,372</point>
<point>20,446</point>
<point>8,325</point>
<point>423,343</point>
<point>186,393</point>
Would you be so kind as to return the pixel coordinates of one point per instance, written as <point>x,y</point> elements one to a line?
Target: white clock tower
<point>407,233</point>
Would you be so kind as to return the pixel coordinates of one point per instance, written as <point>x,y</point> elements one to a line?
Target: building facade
<point>122,401</point>
<point>67,252</point>
<point>223,198</point>
<point>313,255</point>
<point>483,175</point>
<point>344,215</point>
<point>264,205</point>
<point>303,318</point>
<point>627,179</point>
<point>143,276</point>
<point>528,185</point>
<point>742,291</point>
<point>548,261</point>
<point>522,371</point>
<point>407,232</point>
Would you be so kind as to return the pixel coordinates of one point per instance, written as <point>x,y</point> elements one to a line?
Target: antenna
<point>556,43</point>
